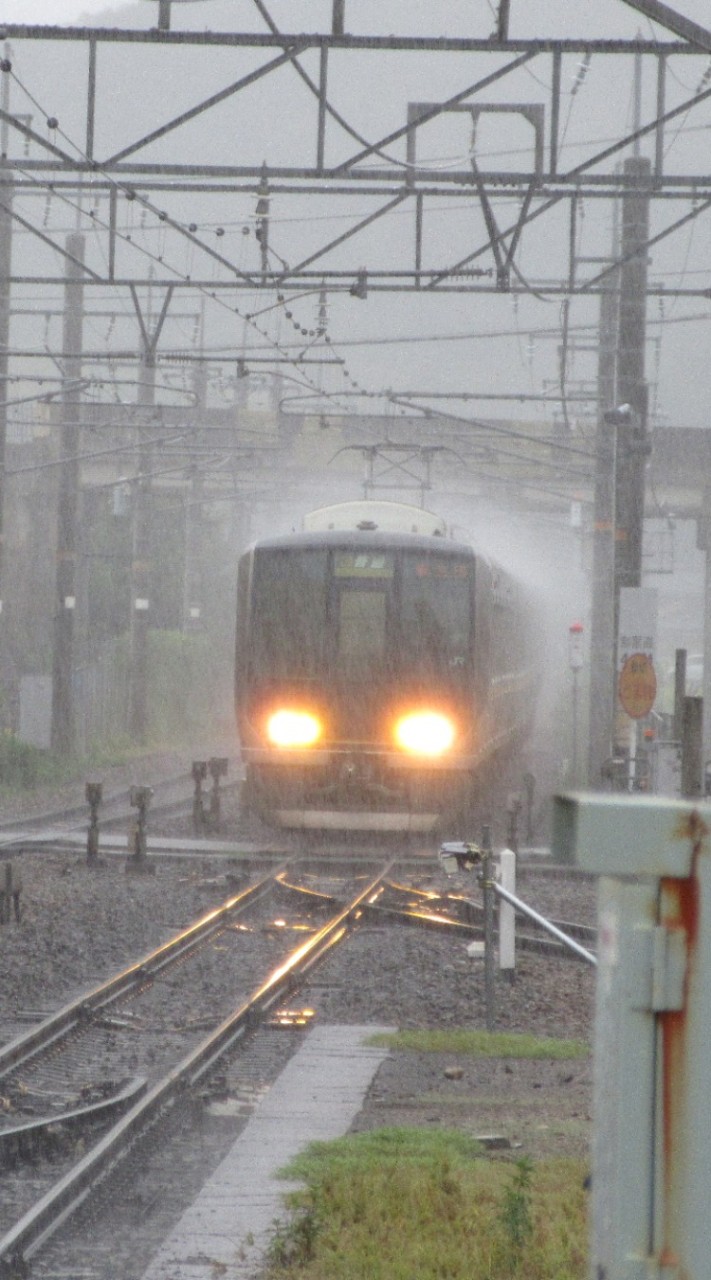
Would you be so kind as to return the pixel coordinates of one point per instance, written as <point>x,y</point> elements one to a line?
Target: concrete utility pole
<point>6,198</point>
<point>622,449</point>
<point>193,573</point>
<point>142,562</point>
<point>65,601</point>
<point>703,541</point>
<point>193,592</point>
<point>602,622</point>
<point>632,436</point>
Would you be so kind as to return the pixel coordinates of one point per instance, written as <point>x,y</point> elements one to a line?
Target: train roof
<point>357,524</point>
<point>370,514</point>
<point>363,538</point>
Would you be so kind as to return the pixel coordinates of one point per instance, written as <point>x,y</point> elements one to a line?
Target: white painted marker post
<point>507,914</point>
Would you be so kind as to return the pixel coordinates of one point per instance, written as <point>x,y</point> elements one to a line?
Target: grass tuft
<point>481,1044</point>
<point>393,1204</point>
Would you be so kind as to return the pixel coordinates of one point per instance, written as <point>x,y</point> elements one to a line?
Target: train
<point>380,666</point>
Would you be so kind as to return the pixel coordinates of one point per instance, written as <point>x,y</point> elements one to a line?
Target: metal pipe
<point>487,883</point>
<point>545,924</point>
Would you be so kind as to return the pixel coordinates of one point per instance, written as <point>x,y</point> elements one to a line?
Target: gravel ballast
<point>79,925</point>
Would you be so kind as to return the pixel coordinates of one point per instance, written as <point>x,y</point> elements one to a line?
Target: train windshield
<point>360,633</point>
<point>290,595</point>
<point>360,615</point>
<point>435,614</point>
<point>361,590</point>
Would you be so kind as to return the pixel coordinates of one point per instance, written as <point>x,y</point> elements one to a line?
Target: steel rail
<point>62,1023</point>
<point>423,919</point>
<point>40,1222</point>
<point>116,807</point>
<point>405,915</point>
<point>32,1134</point>
<point>561,930</point>
<point>583,932</point>
<point>433,917</point>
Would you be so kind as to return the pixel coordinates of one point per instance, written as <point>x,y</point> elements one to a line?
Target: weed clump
<point>392,1204</point>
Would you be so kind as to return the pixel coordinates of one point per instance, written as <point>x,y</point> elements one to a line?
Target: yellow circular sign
<point>637,685</point>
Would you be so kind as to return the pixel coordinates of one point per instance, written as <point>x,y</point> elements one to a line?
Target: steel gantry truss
<point>154,159</point>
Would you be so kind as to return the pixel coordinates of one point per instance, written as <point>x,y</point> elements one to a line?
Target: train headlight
<point>425,733</point>
<point>293,729</point>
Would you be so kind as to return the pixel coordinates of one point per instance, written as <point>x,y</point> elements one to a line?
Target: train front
<point>356,679</point>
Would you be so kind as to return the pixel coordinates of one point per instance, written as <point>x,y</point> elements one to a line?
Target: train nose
<point>354,772</point>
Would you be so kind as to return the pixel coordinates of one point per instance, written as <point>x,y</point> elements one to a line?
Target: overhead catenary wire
<point>287,350</point>
<point>174,225</point>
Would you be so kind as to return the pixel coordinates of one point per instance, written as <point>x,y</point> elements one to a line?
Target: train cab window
<point>360,648</point>
<point>362,586</point>
<point>436,613</point>
<point>289,594</point>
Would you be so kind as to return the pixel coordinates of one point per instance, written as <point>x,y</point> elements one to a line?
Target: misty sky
<point>53,11</point>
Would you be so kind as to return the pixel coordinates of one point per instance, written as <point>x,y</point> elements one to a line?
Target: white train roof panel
<point>387,517</point>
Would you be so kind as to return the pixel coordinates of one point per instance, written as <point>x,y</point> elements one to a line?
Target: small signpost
<point>637,685</point>
<point>636,678</point>
<point>575,658</point>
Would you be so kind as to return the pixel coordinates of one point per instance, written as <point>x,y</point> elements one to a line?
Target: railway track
<point>60,1156</point>
<point>457,914</point>
<point>62,1057</point>
<point>171,797</point>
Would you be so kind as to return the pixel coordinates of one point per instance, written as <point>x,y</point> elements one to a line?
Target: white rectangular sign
<point>638,623</point>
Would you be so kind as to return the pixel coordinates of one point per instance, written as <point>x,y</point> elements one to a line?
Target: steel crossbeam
<point>159,166</point>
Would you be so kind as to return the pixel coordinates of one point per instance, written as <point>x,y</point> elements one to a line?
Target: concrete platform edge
<point>317,1096</point>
